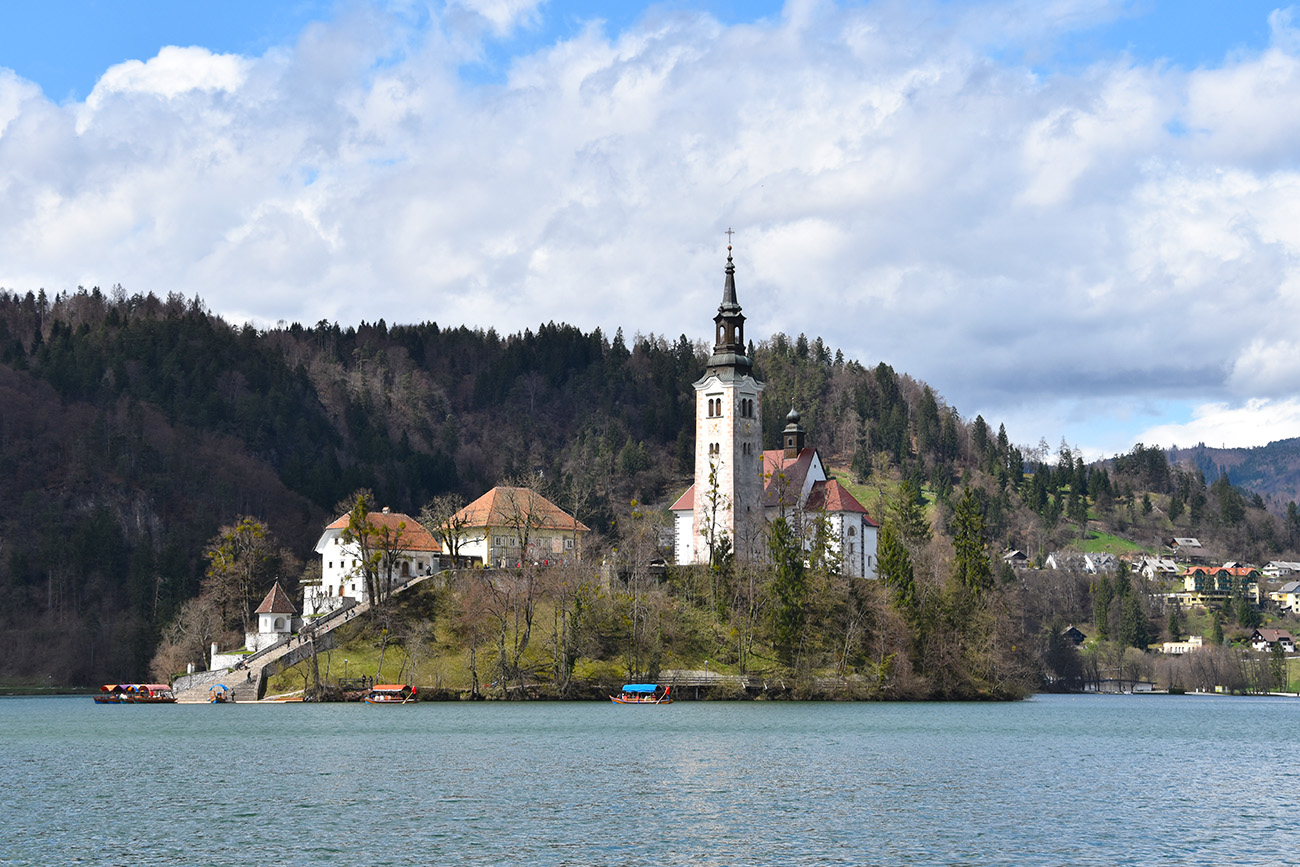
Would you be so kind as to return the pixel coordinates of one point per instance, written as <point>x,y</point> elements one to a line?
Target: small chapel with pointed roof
<point>277,618</point>
<point>739,488</point>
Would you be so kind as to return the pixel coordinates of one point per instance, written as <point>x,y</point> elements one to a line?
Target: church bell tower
<point>728,507</point>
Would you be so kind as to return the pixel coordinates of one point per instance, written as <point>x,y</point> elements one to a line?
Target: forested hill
<point>132,428</point>
<point>1273,470</point>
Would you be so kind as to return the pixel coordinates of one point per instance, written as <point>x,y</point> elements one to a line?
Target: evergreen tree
<point>1102,594</point>
<point>908,513</point>
<point>971,560</point>
<point>894,565</point>
<point>981,447</point>
<point>1247,615</point>
<point>1175,625</point>
<point>1175,507</point>
<point>1135,630</point>
<point>789,589</point>
<point>1277,668</point>
<point>1077,509</point>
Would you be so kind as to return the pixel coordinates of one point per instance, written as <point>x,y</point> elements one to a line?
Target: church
<point>740,488</point>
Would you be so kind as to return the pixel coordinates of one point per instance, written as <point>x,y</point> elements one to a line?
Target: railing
<point>689,677</point>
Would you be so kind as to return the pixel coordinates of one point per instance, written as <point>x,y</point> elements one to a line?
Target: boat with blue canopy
<point>643,693</point>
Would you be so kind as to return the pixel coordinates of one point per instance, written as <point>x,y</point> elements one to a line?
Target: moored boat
<point>135,693</point>
<point>112,693</point>
<point>391,693</point>
<point>221,694</point>
<point>152,693</point>
<point>643,693</point>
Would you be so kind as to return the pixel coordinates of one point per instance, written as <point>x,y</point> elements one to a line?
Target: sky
<point>1080,218</point>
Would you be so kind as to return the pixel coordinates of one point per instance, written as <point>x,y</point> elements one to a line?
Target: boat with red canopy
<point>112,693</point>
<point>135,693</point>
<point>153,693</point>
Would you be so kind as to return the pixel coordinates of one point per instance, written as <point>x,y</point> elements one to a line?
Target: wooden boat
<point>643,693</point>
<point>391,693</point>
<point>152,693</point>
<point>135,693</point>
<point>221,694</point>
<point>112,693</point>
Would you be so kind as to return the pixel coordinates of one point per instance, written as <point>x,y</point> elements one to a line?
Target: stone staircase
<point>249,683</point>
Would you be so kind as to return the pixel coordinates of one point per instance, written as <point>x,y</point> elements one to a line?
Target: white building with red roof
<point>416,553</point>
<point>739,488</point>
<point>509,526</point>
<point>796,487</point>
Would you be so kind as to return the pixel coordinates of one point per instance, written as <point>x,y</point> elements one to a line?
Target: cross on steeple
<point>729,233</point>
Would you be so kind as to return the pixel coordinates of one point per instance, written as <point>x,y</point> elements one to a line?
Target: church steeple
<point>726,510</point>
<point>729,333</point>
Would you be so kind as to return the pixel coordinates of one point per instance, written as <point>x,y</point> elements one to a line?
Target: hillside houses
<point>1092,563</point>
<point>1188,550</point>
<point>1155,568</point>
<point>1265,640</point>
<point>1204,585</point>
<point>1287,597</point>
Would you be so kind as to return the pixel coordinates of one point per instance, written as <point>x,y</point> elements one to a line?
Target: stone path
<point>249,684</point>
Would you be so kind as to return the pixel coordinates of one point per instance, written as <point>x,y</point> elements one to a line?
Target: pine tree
<point>1102,594</point>
<point>790,589</point>
<point>894,566</point>
<point>908,513</point>
<point>971,565</point>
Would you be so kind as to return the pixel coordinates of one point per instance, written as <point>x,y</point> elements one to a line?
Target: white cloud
<point>1267,368</point>
<point>1019,240</point>
<point>14,92</point>
<point>1257,422</point>
<point>503,15</point>
<point>172,72</point>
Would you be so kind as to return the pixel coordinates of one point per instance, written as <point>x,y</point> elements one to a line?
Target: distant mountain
<point>1272,471</point>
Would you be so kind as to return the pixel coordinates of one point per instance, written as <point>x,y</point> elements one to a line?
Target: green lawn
<point>1096,543</point>
<point>868,495</point>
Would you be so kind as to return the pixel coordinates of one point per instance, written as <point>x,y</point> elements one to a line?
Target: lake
<point>1159,780</point>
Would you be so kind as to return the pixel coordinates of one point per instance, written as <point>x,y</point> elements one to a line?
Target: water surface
<point>1052,781</point>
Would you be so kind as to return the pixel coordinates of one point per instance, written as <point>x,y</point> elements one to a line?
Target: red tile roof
<point>783,477</point>
<point>831,496</point>
<point>686,502</point>
<point>413,535</point>
<point>505,506</point>
<point>1239,571</point>
<point>276,602</point>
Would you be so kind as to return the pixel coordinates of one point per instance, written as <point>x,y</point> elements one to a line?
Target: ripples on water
<point>1053,781</point>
